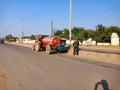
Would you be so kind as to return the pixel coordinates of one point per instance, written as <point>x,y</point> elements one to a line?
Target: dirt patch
<point>3,82</point>
<point>102,57</point>
<point>117,48</point>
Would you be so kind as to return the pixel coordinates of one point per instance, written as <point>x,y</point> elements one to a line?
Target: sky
<point>38,14</point>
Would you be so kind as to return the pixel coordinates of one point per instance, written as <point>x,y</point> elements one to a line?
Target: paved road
<point>23,69</point>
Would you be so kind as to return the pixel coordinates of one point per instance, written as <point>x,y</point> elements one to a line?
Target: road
<point>23,69</point>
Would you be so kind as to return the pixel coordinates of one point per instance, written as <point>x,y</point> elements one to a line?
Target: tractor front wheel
<point>37,47</point>
<point>33,48</point>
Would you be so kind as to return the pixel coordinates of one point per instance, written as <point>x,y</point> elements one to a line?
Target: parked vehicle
<point>1,41</point>
<point>49,44</point>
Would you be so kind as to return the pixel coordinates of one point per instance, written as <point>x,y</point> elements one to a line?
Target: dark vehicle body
<point>1,41</point>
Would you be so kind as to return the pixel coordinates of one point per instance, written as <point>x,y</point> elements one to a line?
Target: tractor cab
<point>62,45</point>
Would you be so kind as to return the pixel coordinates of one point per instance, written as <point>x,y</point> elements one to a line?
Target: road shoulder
<point>90,55</point>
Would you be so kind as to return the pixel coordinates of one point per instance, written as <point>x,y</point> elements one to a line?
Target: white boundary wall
<point>103,44</point>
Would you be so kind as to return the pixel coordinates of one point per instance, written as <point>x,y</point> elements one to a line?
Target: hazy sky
<point>38,15</point>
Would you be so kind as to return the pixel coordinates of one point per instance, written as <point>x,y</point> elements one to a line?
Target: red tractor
<point>49,44</point>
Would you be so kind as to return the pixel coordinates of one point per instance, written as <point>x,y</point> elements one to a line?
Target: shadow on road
<point>103,83</point>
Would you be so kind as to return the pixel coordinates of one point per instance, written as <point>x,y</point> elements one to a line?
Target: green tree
<point>9,37</point>
<point>77,33</point>
<point>103,34</point>
<point>90,33</point>
<point>81,36</point>
<point>99,33</point>
<point>112,29</point>
<point>108,32</point>
<point>32,37</point>
<point>65,33</point>
<point>26,37</point>
<point>58,33</point>
<point>100,27</point>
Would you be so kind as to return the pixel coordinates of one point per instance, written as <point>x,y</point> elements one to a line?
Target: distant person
<point>76,47</point>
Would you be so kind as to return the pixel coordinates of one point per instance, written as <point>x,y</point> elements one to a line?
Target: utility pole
<point>23,22</point>
<point>70,35</point>
<point>52,31</point>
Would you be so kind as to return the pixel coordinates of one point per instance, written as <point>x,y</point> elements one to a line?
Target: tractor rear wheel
<point>48,49</point>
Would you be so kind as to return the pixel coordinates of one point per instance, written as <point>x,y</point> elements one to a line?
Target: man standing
<point>76,47</point>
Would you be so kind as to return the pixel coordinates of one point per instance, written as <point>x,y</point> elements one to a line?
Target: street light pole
<point>52,31</point>
<point>70,35</point>
<point>23,22</point>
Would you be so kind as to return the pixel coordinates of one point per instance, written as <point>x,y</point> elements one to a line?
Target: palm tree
<point>100,27</point>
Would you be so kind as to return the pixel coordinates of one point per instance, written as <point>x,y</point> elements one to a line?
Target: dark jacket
<point>76,43</point>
